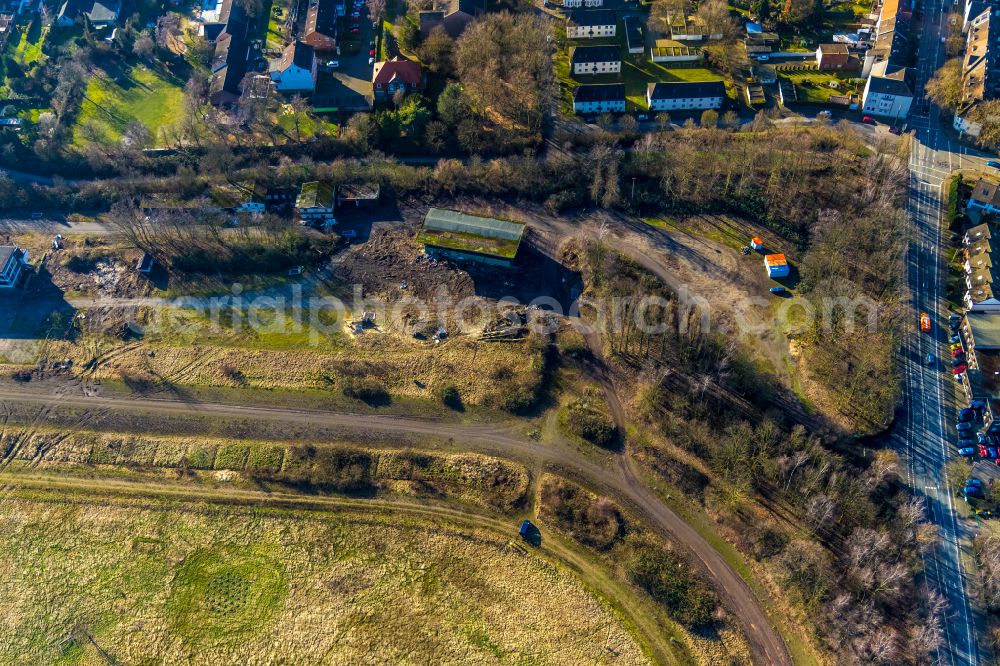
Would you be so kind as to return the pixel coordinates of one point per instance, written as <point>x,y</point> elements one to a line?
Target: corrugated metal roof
<point>775,260</point>
<point>439,219</point>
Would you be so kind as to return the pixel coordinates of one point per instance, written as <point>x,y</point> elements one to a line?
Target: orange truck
<point>925,322</point>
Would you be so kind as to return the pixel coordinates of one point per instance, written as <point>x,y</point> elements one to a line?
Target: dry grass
<point>468,477</point>
<point>405,369</point>
<point>228,586</point>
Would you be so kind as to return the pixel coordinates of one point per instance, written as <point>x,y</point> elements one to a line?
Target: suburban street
<point>925,435</point>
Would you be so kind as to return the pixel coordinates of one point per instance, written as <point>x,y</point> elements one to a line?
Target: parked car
<point>967,452</point>
<point>959,370</point>
<point>966,414</point>
<point>763,56</point>
<point>371,53</point>
<point>954,320</point>
<point>955,338</point>
<point>925,322</point>
<point>355,15</point>
<point>868,120</point>
<point>957,361</point>
<point>991,452</point>
<point>333,64</point>
<point>371,61</point>
<point>962,427</point>
<point>982,451</point>
<point>993,164</point>
<point>983,439</point>
<point>956,350</point>
<point>355,30</point>
<point>930,360</point>
<point>777,290</point>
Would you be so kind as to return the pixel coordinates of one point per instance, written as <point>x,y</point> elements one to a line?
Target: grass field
<point>813,86</point>
<point>145,96</point>
<point>99,583</point>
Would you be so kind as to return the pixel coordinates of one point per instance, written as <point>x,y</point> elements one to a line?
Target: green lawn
<point>813,86</point>
<point>309,124</point>
<point>29,46</point>
<point>635,76</point>
<point>275,34</point>
<point>145,96</point>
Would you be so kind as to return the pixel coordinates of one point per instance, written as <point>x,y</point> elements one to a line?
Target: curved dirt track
<point>618,482</point>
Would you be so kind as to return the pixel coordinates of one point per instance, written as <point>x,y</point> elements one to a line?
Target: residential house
<point>608,98</point>
<point>320,29</point>
<point>316,204</point>
<point>6,26</point>
<point>979,267</point>
<point>833,57</point>
<point>891,37</point>
<point>454,16</point>
<point>596,60</point>
<point>398,74</point>
<point>98,13</point>
<point>590,24</point>
<point>888,91</point>
<point>230,62</point>
<point>634,39</point>
<point>985,198</point>
<point>295,71</point>
<point>685,95</point>
<point>13,261</point>
<point>669,51</point>
<point>449,234</point>
<point>981,337</point>
<point>980,68</point>
<point>755,94</point>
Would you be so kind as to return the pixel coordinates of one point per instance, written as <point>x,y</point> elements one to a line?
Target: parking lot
<point>348,87</point>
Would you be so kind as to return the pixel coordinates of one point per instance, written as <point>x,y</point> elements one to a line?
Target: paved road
<point>493,439</point>
<point>926,434</point>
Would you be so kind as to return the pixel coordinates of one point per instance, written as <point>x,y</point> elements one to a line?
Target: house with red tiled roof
<point>391,76</point>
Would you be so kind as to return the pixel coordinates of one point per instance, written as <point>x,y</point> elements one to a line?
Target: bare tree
<point>144,46</point>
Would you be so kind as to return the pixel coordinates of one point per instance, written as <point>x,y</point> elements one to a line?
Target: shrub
<point>450,397</point>
<point>367,391</point>
<point>591,520</point>
<point>587,422</point>
<point>672,583</point>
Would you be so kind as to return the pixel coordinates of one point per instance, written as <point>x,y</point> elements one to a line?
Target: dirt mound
<point>392,265</point>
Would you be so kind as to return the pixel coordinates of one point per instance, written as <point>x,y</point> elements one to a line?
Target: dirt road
<point>500,440</point>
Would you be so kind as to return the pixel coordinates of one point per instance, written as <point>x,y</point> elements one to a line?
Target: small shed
<point>757,243</point>
<point>776,265</point>
<point>357,193</point>
<point>145,265</point>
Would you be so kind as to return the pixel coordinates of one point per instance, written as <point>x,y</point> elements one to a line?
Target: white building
<point>608,98</point>
<point>295,71</point>
<point>13,261</point>
<point>596,60</point>
<point>316,203</point>
<point>685,96</point>
<point>660,53</point>
<point>888,91</point>
<point>591,24</point>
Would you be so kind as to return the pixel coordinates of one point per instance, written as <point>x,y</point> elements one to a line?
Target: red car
<point>868,120</point>
<point>371,52</point>
<point>955,353</point>
<point>355,30</point>
<point>982,451</point>
<point>959,370</point>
